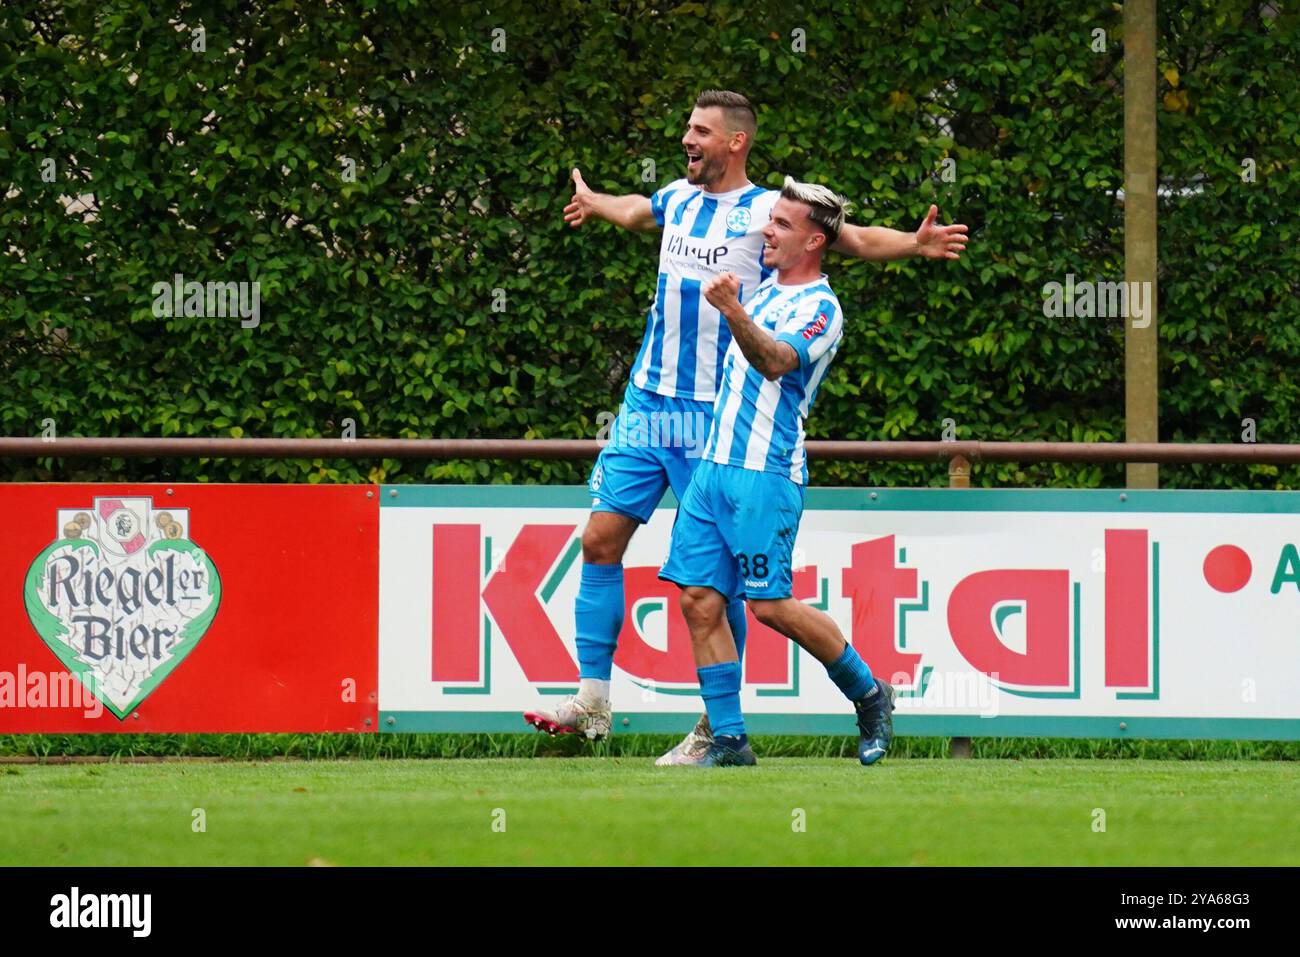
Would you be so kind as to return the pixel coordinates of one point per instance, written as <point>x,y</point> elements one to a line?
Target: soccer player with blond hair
<point>712,222</point>
<point>736,525</point>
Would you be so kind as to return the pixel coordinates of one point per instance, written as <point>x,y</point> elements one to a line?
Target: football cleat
<point>875,723</point>
<point>724,753</point>
<point>692,748</point>
<point>570,716</point>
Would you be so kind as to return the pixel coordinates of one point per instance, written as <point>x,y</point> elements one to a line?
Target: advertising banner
<point>995,612</point>
<point>176,608</point>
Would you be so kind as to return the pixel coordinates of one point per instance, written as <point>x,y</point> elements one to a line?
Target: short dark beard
<point>710,172</point>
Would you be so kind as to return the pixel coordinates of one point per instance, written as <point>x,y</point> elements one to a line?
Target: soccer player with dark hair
<point>712,222</point>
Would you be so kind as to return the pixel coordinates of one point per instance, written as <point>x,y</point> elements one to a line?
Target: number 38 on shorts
<point>735,532</point>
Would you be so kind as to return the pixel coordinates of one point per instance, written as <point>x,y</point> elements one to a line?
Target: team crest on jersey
<point>738,219</point>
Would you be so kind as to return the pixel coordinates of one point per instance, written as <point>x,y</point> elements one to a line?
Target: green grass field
<point>622,810</point>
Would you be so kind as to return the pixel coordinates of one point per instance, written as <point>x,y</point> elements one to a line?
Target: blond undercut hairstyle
<point>825,208</point>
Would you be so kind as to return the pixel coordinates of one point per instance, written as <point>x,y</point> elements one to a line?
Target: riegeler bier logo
<point>122,596</point>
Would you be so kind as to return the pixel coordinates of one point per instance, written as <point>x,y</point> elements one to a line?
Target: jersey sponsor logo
<point>679,247</point>
<point>816,327</point>
<point>738,219</point>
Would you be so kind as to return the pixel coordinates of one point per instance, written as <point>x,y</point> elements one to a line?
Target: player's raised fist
<point>722,290</point>
<point>579,208</point>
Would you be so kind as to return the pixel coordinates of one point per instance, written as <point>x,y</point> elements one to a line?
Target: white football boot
<point>570,716</point>
<point>692,748</point>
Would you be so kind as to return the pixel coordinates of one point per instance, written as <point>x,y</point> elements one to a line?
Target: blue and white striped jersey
<point>758,424</point>
<point>704,234</point>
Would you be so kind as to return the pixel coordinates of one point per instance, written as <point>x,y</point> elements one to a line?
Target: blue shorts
<point>735,532</point>
<point>654,444</point>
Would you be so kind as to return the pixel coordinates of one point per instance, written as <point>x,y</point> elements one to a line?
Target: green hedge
<point>377,295</point>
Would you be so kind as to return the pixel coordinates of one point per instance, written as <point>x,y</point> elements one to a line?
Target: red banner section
<point>189,608</point>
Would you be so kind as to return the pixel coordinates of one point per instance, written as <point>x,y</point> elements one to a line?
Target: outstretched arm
<point>631,211</point>
<point>879,243</point>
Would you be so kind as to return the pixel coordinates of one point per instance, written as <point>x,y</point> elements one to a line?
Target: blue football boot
<point>728,751</point>
<point>875,723</point>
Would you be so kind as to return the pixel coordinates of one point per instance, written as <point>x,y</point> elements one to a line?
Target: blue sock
<point>598,613</point>
<point>851,675</point>
<point>739,625</point>
<point>720,689</point>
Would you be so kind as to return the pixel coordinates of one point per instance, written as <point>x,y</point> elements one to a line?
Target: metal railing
<point>1160,453</point>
